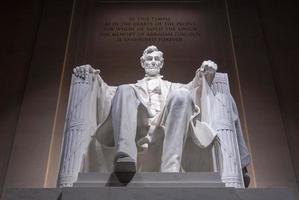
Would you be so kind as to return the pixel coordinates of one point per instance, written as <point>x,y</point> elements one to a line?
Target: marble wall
<point>20,26</point>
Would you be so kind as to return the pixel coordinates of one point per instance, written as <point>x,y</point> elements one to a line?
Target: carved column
<point>76,132</point>
<point>227,148</point>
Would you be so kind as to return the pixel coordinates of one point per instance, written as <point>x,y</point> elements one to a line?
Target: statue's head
<point>152,61</point>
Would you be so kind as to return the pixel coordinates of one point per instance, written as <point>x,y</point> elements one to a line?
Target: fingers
<point>74,71</point>
<point>96,71</point>
<point>211,65</point>
<point>84,70</point>
<point>77,71</point>
<point>143,144</point>
<point>81,72</point>
<point>143,141</point>
<point>208,66</point>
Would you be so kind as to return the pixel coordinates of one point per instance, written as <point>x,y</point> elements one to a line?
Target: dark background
<point>265,38</point>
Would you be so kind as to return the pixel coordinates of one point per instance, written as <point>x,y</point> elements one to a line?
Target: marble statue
<point>153,116</point>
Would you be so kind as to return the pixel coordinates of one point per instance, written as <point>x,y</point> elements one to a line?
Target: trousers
<point>128,118</point>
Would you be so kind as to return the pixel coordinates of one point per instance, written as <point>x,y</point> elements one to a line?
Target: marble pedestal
<point>149,186</point>
<point>152,179</point>
<point>149,193</point>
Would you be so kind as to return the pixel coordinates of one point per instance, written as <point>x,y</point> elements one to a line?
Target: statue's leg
<point>124,122</point>
<point>179,108</point>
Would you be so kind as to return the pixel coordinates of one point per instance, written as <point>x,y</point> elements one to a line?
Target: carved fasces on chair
<point>77,131</point>
<point>228,150</point>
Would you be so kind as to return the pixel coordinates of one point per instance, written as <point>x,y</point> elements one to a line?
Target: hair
<point>148,50</point>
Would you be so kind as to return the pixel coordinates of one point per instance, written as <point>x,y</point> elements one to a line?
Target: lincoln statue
<point>154,115</point>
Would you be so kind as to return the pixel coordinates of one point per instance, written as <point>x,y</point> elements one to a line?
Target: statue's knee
<point>181,95</point>
<point>124,89</point>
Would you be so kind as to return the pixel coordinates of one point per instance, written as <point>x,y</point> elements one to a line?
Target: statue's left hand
<point>208,69</point>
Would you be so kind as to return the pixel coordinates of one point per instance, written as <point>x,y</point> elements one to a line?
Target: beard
<point>152,71</point>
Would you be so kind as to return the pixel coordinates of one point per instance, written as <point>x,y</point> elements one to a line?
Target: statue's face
<point>152,63</point>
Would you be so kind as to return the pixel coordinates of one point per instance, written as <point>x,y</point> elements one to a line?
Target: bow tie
<point>148,78</point>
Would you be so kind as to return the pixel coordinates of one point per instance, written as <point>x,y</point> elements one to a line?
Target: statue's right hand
<point>143,143</point>
<point>84,70</point>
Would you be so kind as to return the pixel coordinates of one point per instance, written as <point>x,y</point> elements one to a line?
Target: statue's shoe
<point>124,169</point>
<point>125,164</point>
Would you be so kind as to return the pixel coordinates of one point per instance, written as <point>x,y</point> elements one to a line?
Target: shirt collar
<point>148,78</point>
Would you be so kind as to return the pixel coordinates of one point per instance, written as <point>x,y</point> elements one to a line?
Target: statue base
<point>149,186</point>
<point>148,193</point>
<point>152,179</point>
